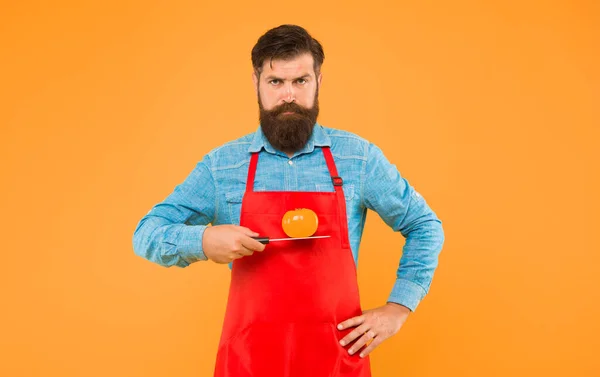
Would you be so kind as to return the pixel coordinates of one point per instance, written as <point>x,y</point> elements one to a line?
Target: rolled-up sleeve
<point>170,234</point>
<point>402,208</point>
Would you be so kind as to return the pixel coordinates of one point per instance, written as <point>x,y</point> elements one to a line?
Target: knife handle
<point>263,240</point>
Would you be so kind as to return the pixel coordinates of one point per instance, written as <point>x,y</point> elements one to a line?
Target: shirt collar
<point>318,138</point>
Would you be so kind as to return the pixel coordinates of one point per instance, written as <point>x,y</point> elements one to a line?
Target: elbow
<point>147,246</point>
<point>141,244</point>
<point>435,231</point>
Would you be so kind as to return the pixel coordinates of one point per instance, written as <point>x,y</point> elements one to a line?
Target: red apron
<point>285,302</point>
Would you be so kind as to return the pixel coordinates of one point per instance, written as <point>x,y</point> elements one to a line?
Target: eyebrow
<point>271,77</point>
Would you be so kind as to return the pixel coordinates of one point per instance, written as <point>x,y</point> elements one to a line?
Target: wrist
<point>398,307</point>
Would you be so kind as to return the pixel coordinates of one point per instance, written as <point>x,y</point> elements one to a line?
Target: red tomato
<point>301,222</point>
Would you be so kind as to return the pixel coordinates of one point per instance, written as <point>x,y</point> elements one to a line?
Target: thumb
<point>248,232</point>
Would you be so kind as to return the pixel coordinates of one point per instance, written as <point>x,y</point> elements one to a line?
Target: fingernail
<point>340,327</point>
<point>350,351</point>
<point>342,343</point>
<point>362,355</point>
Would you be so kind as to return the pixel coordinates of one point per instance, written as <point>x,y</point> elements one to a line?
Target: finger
<point>247,231</point>
<point>235,256</point>
<point>366,338</point>
<point>252,244</point>
<point>244,251</point>
<point>355,321</point>
<point>360,330</point>
<point>377,341</point>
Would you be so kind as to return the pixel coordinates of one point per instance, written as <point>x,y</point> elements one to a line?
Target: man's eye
<point>274,82</point>
<point>301,81</point>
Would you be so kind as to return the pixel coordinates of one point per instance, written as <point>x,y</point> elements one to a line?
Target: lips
<point>287,113</point>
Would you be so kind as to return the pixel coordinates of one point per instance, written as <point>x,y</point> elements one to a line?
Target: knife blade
<point>266,240</point>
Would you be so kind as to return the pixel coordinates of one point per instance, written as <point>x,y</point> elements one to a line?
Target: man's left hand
<point>373,327</point>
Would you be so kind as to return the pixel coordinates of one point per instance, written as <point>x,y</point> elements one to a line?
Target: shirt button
<point>290,162</point>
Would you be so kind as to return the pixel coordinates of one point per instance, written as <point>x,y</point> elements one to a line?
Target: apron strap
<point>339,193</point>
<point>251,172</point>
<point>337,180</point>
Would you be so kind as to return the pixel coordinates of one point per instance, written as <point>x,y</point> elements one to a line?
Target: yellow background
<point>489,109</point>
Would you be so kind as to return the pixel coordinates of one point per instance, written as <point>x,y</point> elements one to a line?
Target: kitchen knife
<point>266,240</point>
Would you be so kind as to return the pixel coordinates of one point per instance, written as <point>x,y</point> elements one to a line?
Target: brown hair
<point>286,42</point>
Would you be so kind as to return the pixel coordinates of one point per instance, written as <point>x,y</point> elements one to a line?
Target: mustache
<point>291,106</point>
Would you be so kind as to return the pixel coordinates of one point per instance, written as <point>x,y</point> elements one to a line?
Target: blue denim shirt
<point>171,233</point>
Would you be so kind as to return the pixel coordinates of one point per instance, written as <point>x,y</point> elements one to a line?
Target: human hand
<point>224,243</point>
<point>373,327</point>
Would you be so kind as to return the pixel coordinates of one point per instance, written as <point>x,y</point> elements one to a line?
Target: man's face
<point>288,101</point>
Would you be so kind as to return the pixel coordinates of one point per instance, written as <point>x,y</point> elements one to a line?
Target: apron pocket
<point>288,350</point>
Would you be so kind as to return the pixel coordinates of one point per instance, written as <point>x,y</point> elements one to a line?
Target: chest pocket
<point>349,194</point>
<point>234,205</point>
<point>234,199</point>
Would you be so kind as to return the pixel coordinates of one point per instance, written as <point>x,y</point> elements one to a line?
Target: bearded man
<point>293,308</point>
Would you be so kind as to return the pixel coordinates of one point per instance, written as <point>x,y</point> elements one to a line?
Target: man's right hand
<point>224,243</point>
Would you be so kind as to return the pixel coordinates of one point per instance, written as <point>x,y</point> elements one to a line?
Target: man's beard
<point>288,132</point>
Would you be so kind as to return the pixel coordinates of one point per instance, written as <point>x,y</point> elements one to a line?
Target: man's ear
<point>319,79</point>
<point>255,81</point>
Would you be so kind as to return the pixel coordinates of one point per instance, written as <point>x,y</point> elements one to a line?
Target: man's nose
<point>289,95</point>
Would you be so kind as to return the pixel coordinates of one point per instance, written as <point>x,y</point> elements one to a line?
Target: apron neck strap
<point>251,172</point>
<point>335,179</point>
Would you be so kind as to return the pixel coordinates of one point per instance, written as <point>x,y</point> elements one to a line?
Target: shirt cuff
<point>189,243</point>
<point>407,293</point>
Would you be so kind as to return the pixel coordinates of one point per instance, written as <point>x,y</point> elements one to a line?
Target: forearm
<point>418,263</point>
<point>171,233</point>
<point>168,244</point>
<point>405,211</point>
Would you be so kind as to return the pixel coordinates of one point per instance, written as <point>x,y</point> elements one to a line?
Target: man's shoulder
<point>339,133</point>
<point>241,143</point>
<point>346,143</point>
<point>231,152</point>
